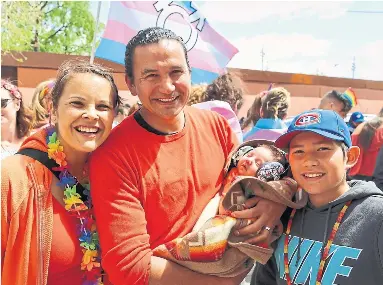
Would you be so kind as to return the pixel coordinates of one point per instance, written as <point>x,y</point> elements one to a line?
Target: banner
<point>208,51</point>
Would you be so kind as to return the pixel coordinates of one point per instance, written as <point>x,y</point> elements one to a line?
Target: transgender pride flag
<point>208,51</point>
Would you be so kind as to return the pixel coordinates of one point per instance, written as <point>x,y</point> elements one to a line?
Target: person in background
<point>224,96</point>
<point>228,88</point>
<point>368,136</point>
<point>274,107</point>
<point>48,234</point>
<point>341,103</point>
<point>355,120</point>
<point>377,176</point>
<point>122,113</point>
<point>42,104</point>
<point>136,106</point>
<point>253,114</point>
<point>160,167</point>
<point>16,119</point>
<point>337,238</point>
<point>197,94</point>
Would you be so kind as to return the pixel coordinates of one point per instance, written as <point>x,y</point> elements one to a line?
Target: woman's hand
<point>266,213</point>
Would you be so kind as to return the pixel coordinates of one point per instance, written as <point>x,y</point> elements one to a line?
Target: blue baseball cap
<point>326,123</point>
<point>357,117</point>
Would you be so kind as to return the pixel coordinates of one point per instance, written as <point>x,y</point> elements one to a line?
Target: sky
<point>320,38</point>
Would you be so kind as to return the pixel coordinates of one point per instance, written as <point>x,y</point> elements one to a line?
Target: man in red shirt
<point>160,167</point>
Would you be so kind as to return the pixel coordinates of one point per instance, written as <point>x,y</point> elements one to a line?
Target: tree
<point>48,26</point>
<point>16,26</point>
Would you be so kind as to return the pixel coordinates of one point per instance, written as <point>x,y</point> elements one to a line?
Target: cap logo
<point>307,119</point>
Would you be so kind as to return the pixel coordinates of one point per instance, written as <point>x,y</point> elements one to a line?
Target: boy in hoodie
<point>338,237</point>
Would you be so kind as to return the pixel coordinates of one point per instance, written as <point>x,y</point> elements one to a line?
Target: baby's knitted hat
<point>241,152</point>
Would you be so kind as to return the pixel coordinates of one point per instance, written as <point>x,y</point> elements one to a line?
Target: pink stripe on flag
<point>144,6</point>
<point>204,60</point>
<point>208,34</point>
<point>118,32</point>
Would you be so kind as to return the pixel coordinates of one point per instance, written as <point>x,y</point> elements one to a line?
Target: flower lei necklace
<point>87,234</point>
<point>324,254</point>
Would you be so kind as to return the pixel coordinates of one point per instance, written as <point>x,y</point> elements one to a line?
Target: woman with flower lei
<point>48,228</point>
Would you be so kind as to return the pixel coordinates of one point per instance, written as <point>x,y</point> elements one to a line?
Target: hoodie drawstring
<point>325,230</point>
<point>301,234</point>
<point>325,251</point>
<point>300,237</point>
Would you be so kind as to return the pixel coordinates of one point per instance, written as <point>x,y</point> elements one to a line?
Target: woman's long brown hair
<point>368,131</point>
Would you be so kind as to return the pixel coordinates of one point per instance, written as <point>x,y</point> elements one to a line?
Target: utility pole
<point>353,67</point>
<point>262,56</point>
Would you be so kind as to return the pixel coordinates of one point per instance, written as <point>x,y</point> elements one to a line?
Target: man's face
<point>250,163</point>
<point>162,81</point>
<point>335,105</point>
<point>317,163</point>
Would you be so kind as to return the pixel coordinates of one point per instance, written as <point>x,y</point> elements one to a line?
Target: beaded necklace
<point>87,233</point>
<point>324,254</point>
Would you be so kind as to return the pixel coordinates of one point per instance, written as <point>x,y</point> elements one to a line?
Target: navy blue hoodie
<point>356,255</point>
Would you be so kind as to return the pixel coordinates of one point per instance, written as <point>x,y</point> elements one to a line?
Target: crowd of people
<point>176,189</point>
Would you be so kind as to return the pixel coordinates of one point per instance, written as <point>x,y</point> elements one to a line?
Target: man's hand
<point>266,213</point>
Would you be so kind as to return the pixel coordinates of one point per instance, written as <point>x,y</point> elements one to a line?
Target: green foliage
<point>65,27</point>
<point>16,26</point>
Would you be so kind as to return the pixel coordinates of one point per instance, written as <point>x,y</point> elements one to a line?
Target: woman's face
<point>85,112</point>
<point>9,108</point>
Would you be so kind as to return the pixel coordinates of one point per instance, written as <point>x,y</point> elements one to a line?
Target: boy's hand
<point>265,213</point>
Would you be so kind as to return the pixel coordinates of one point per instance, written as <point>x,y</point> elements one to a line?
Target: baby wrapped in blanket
<point>256,168</point>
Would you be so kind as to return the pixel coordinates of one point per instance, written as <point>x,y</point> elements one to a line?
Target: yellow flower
<point>53,148</point>
<point>72,201</point>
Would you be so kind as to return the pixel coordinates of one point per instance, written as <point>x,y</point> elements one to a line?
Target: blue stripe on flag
<point>115,52</point>
<point>112,51</point>
<point>203,76</point>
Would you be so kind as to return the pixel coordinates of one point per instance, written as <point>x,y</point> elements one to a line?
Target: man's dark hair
<point>149,36</point>
<point>341,98</point>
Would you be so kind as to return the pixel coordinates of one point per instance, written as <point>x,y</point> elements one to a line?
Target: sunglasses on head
<point>4,102</point>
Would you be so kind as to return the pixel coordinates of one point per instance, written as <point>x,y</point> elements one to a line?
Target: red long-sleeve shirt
<point>148,189</point>
<point>367,159</point>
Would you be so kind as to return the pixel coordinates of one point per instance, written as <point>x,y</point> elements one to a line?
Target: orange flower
<point>61,159</point>
<point>88,260</point>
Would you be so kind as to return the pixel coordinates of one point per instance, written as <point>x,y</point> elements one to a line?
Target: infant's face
<point>249,164</point>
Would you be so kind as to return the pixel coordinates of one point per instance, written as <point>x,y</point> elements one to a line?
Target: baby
<point>264,161</point>
<point>255,168</point>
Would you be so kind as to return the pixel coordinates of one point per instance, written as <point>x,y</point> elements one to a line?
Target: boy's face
<point>249,164</point>
<point>317,163</point>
